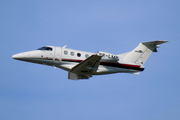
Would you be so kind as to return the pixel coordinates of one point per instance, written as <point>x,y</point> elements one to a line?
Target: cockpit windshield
<point>45,48</point>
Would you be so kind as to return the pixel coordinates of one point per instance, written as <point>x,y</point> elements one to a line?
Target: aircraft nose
<point>18,56</point>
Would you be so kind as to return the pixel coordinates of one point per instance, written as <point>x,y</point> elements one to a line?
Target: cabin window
<point>86,55</point>
<point>72,53</point>
<point>79,54</point>
<point>65,52</point>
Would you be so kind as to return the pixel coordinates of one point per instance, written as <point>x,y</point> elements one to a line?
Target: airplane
<point>83,65</point>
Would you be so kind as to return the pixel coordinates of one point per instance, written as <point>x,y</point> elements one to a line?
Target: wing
<point>85,69</point>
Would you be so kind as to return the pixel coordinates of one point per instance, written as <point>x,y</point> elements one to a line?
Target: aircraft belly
<point>109,70</point>
<point>66,65</point>
<point>105,70</point>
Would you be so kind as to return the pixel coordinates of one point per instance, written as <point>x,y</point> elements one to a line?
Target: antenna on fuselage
<point>54,67</point>
<point>65,46</point>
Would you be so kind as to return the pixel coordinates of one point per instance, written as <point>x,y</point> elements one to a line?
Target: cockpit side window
<point>49,48</point>
<point>45,48</point>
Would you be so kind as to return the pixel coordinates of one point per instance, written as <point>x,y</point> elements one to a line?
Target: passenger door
<point>57,55</point>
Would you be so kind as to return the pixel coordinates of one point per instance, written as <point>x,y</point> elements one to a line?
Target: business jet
<point>83,65</point>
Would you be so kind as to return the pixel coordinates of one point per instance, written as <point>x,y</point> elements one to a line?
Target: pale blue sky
<point>33,92</point>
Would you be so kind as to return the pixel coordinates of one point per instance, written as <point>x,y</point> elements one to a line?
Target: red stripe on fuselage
<point>106,63</point>
<point>130,65</point>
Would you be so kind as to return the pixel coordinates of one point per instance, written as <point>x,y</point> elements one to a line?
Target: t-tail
<point>141,53</point>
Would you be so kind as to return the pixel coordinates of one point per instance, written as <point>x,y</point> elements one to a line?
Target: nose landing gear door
<point>57,56</point>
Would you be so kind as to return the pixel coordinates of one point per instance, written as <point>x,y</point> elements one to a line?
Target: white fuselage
<point>83,65</point>
<point>66,59</point>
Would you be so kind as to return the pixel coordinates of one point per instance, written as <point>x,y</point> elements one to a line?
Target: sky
<point>36,92</point>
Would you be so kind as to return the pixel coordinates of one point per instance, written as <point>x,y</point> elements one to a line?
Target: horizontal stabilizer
<point>154,42</point>
<point>153,45</point>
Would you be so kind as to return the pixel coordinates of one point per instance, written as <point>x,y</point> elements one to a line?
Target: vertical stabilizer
<point>141,53</point>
